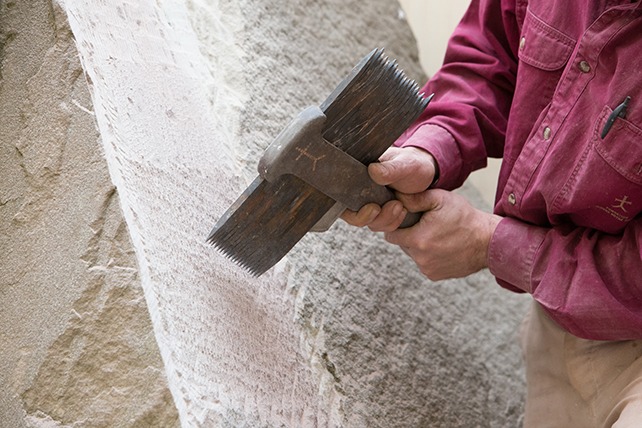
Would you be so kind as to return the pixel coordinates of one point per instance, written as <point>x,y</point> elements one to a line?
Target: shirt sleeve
<point>466,121</point>
<point>567,270</point>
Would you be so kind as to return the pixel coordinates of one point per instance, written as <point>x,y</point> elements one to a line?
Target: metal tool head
<point>364,115</point>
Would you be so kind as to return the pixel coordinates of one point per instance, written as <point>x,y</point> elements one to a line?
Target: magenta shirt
<point>535,82</point>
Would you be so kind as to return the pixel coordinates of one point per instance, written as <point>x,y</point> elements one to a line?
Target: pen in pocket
<point>619,111</point>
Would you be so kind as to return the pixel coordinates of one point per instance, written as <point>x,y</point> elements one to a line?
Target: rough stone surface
<point>77,347</point>
<point>343,333</point>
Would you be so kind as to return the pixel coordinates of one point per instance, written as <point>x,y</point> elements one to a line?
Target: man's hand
<point>451,239</point>
<point>408,170</point>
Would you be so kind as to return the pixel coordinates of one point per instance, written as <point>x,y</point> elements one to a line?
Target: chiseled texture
<point>76,341</point>
<point>345,332</point>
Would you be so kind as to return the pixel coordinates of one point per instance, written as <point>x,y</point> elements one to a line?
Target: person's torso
<point>578,61</point>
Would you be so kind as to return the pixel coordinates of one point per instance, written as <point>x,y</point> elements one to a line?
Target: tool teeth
<point>267,220</point>
<point>365,114</point>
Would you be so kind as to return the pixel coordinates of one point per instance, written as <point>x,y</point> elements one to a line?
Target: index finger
<point>404,238</point>
<point>363,217</point>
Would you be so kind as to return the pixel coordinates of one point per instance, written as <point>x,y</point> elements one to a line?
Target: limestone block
<point>76,341</point>
<point>185,96</point>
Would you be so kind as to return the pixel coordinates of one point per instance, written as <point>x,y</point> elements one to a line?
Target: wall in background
<point>432,22</point>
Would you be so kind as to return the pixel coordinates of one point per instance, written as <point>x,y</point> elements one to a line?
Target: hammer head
<point>317,165</point>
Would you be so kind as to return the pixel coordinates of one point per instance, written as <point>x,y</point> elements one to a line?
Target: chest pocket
<point>543,54</point>
<point>542,46</point>
<point>604,192</point>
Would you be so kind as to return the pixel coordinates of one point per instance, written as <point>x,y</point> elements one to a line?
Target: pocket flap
<point>543,46</point>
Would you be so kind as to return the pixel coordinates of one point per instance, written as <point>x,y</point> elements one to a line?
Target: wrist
<point>435,167</point>
<point>488,226</point>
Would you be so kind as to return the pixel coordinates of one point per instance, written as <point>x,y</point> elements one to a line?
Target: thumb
<point>408,169</point>
<point>388,171</point>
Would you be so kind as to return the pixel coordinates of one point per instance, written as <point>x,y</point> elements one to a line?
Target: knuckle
<point>426,272</point>
<point>431,275</point>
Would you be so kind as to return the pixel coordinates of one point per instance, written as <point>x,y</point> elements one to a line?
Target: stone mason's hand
<point>451,239</point>
<point>408,170</point>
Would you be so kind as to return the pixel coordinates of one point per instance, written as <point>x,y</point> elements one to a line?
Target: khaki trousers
<point>574,382</point>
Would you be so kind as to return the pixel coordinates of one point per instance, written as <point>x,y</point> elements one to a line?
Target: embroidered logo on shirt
<point>618,209</point>
<point>621,203</point>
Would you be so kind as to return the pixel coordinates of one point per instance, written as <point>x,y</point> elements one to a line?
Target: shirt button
<point>512,199</point>
<point>585,67</point>
<point>522,43</point>
<point>547,133</point>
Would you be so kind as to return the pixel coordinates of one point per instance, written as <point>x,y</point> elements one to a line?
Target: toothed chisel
<point>317,166</point>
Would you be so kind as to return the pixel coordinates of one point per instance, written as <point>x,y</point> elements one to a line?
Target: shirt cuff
<point>442,146</point>
<point>512,252</point>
